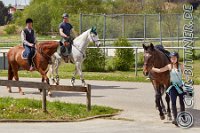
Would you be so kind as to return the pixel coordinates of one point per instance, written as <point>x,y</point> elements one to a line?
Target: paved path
<point>136,99</point>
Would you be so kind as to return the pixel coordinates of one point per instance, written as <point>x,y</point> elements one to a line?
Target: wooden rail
<point>44,87</point>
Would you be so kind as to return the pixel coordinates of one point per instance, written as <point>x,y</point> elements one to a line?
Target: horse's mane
<point>81,35</point>
<point>165,59</point>
<point>47,44</point>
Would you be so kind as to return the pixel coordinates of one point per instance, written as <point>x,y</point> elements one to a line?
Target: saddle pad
<point>24,55</point>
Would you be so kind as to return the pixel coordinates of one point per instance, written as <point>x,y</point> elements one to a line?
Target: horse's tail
<point>10,72</point>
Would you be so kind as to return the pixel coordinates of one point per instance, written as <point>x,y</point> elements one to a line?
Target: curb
<point>51,121</point>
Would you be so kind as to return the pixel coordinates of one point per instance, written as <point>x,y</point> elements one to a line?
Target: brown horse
<point>161,81</point>
<point>44,51</point>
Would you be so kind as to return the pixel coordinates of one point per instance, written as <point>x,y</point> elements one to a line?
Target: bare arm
<point>163,69</point>
<point>61,33</point>
<point>24,41</point>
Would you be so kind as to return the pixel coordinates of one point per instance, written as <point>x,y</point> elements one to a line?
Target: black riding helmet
<point>65,15</point>
<point>174,54</point>
<point>29,20</point>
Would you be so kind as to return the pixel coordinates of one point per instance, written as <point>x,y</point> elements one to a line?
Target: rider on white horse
<point>68,34</point>
<point>79,47</point>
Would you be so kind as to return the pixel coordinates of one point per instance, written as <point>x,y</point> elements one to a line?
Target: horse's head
<point>94,37</point>
<point>148,58</point>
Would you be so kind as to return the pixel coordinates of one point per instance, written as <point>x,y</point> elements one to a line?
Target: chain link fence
<point>166,29</point>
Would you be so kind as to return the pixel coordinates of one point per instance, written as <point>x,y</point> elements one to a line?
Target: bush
<point>10,29</point>
<point>94,61</point>
<point>124,58</point>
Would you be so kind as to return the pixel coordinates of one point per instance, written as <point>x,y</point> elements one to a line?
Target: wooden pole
<point>44,100</point>
<point>88,97</point>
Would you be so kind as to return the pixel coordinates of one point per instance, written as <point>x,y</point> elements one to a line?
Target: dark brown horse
<point>44,51</point>
<point>161,81</point>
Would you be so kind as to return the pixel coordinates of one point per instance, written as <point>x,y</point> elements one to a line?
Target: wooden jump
<point>44,87</point>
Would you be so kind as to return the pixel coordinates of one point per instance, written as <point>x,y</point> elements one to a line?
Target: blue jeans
<point>29,52</point>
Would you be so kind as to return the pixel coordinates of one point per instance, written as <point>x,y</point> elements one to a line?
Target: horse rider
<point>68,34</point>
<point>176,88</point>
<point>29,40</point>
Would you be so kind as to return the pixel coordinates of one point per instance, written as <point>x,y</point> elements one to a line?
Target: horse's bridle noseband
<point>152,64</point>
<point>94,41</point>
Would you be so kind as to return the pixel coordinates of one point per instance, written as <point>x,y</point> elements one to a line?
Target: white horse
<point>79,47</point>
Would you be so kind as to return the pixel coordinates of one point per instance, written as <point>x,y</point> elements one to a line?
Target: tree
<point>40,15</point>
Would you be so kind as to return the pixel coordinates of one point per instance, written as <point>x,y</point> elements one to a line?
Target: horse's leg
<point>45,78</point>
<point>56,66</point>
<point>167,98</point>
<point>50,73</point>
<point>163,106</point>
<point>158,97</point>
<point>10,76</point>
<point>73,77</point>
<point>161,101</point>
<point>43,82</point>
<point>79,70</point>
<point>16,77</point>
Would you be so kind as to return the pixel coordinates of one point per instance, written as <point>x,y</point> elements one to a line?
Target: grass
<point>30,109</point>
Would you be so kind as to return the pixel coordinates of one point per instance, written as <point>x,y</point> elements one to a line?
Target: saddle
<point>65,52</point>
<point>25,54</point>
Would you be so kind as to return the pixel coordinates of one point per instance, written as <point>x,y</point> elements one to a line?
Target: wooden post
<point>44,100</point>
<point>4,61</point>
<point>88,97</point>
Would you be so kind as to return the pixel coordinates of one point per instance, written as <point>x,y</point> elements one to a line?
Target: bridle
<point>152,64</point>
<point>94,41</point>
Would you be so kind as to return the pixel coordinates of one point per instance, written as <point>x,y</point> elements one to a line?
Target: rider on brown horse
<point>29,41</point>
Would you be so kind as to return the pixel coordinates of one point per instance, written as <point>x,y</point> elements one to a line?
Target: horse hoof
<point>169,118</point>
<point>164,111</point>
<point>40,90</point>
<point>83,83</point>
<point>9,91</point>
<point>162,117</point>
<point>72,83</point>
<point>22,93</point>
<point>57,83</point>
<point>49,94</point>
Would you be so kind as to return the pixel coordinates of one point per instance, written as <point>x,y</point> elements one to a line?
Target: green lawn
<point>30,109</point>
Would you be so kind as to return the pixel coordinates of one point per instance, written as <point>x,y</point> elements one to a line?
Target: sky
<point>12,2</point>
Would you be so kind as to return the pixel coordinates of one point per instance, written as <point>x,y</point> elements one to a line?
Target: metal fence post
<point>80,26</point>
<point>123,25</point>
<point>178,19</point>
<point>104,30</point>
<point>160,23</point>
<point>136,54</point>
<point>144,28</point>
<point>104,39</point>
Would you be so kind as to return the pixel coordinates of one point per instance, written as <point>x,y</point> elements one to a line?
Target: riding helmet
<point>65,15</point>
<point>174,54</point>
<point>29,20</point>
